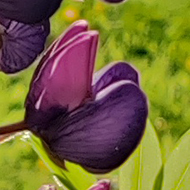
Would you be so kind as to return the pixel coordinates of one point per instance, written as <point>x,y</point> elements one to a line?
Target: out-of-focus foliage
<point>142,168</point>
<point>74,177</point>
<point>152,35</point>
<point>20,167</point>
<point>177,168</point>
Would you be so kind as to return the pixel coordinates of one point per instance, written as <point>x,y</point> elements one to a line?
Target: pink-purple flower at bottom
<point>95,121</point>
<point>103,184</point>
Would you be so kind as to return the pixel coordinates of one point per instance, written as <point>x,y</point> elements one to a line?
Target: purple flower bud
<point>101,185</point>
<point>28,11</point>
<point>96,122</point>
<point>20,44</point>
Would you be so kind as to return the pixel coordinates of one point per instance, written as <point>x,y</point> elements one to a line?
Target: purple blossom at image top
<point>28,11</point>
<point>97,120</point>
<point>32,11</point>
<point>20,44</point>
<point>23,32</point>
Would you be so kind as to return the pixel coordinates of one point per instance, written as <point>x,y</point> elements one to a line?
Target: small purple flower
<point>48,187</point>
<point>20,44</point>
<point>114,1</point>
<point>101,185</point>
<point>28,11</point>
<point>96,122</point>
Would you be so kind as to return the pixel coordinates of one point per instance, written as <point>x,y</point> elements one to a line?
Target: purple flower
<point>96,122</point>
<point>101,185</point>
<point>28,11</point>
<point>32,11</point>
<point>48,187</point>
<point>20,44</point>
<point>114,1</point>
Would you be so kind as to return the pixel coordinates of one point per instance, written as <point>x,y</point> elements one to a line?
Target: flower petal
<point>28,11</point>
<point>101,185</point>
<point>114,1</point>
<point>64,80</point>
<point>76,28</point>
<point>21,44</point>
<point>101,135</point>
<point>112,73</point>
<point>48,187</point>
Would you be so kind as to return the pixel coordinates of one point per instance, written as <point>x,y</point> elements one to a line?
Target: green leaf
<point>177,167</point>
<point>159,180</point>
<point>141,169</point>
<point>76,178</point>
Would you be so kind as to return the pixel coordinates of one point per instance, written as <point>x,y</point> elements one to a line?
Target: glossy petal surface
<point>21,44</point>
<point>68,73</point>
<point>76,28</point>
<point>102,134</point>
<point>28,11</point>
<point>112,73</point>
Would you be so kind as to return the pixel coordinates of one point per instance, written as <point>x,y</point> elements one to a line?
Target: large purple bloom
<point>28,11</point>
<point>95,122</point>
<point>20,44</point>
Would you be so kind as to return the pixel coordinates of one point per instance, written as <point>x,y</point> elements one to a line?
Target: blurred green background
<point>152,35</point>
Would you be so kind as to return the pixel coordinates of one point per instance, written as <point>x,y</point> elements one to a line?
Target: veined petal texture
<point>21,44</point>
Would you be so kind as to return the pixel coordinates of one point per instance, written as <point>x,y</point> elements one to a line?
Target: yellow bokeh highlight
<point>19,92</point>
<point>187,64</point>
<point>70,14</point>
<point>41,165</point>
<point>100,7</point>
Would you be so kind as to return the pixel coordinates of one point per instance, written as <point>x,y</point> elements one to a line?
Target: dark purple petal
<point>28,11</point>
<point>21,44</point>
<point>64,79</point>
<point>114,1</point>
<point>36,118</point>
<point>101,185</point>
<point>4,23</point>
<point>100,135</point>
<point>112,73</point>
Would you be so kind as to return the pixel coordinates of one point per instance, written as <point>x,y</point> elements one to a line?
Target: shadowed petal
<point>114,1</point>
<point>64,80</point>
<point>76,28</point>
<point>102,134</point>
<point>28,11</point>
<point>112,73</point>
<point>21,44</point>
